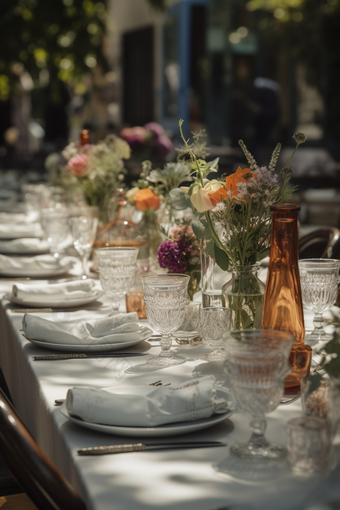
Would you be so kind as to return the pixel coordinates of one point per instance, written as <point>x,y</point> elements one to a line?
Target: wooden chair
<point>322,243</point>
<point>38,477</point>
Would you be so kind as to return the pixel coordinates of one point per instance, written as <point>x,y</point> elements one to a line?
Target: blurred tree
<point>159,5</point>
<point>61,36</point>
<point>309,30</point>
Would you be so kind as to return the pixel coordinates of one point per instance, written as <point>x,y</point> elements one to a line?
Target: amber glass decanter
<point>84,137</point>
<point>282,309</point>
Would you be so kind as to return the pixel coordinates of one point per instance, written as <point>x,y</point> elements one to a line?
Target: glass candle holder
<point>189,332</point>
<point>309,445</point>
<point>135,303</point>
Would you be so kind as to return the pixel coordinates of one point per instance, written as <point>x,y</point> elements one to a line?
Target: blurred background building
<point>249,69</point>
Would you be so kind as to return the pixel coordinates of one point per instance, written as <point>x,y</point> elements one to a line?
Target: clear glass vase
<point>244,295</point>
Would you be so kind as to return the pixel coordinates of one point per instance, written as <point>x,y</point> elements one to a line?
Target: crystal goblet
<point>117,267</point>
<point>257,363</point>
<point>83,230</point>
<point>214,322</point>
<point>319,285</point>
<point>165,297</point>
<point>54,223</point>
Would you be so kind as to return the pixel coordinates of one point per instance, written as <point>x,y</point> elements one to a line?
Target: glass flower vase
<point>244,295</point>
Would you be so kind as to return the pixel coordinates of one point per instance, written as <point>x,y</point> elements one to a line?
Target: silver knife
<point>45,357</point>
<point>141,447</point>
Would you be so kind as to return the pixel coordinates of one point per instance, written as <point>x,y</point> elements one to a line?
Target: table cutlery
<point>289,400</point>
<point>46,357</point>
<point>140,447</point>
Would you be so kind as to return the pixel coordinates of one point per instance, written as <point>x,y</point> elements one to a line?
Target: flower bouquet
<point>97,169</point>
<point>148,202</point>
<point>181,254</point>
<point>234,219</point>
<point>150,194</point>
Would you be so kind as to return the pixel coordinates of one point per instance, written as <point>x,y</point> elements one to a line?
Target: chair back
<point>35,473</point>
<point>322,243</point>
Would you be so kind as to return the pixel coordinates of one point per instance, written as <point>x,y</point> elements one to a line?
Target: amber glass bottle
<point>282,309</point>
<point>84,137</point>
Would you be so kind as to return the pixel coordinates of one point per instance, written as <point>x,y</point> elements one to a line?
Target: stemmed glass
<point>319,285</point>
<point>117,267</point>
<point>165,297</point>
<point>83,230</point>
<point>54,223</point>
<point>214,321</point>
<point>257,362</point>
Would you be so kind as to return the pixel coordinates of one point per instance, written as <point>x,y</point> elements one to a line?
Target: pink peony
<point>135,136</point>
<point>78,165</point>
<point>155,128</point>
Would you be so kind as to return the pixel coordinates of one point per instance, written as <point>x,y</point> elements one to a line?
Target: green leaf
<point>210,249</point>
<point>314,382</point>
<point>207,230</point>
<point>221,258</point>
<point>180,199</point>
<point>198,229</point>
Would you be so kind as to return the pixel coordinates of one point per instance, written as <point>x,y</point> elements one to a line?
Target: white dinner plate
<point>145,334</point>
<point>28,250</point>
<point>50,303</point>
<point>37,273</point>
<point>171,429</point>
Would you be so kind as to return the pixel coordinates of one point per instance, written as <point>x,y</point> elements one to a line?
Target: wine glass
<point>54,223</point>
<point>214,321</point>
<point>117,267</point>
<point>319,285</point>
<point>165,297</point>
<point>256,362</point>
<point>83,230</point>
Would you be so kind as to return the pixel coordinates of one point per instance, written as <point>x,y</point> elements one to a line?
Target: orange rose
<point>146,199</point>
<point>233,179</point>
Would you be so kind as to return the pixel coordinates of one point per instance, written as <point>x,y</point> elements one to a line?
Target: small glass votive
<point>135,303</point>
<point>215,321</point>
<point>189,332</point>
<point>309,445</point>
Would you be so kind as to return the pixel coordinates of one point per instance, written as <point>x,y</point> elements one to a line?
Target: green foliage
<point>158,5</point>
<point>329,364</point>
<point>63,36</point>
<point>179,199</point>
<point>170,177</point>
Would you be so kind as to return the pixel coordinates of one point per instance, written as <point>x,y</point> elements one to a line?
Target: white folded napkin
<point>55,291</point>
<point>122,327</point>
<point>31,263</point>
<point>15,230</point>
<point>24,245</point>
<point>189,401</point>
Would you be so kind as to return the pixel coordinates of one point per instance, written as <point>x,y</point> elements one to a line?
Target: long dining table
<point>191,479</point>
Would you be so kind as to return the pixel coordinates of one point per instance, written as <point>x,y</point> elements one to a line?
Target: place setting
<point>148,411</point>
<point>71,294</point>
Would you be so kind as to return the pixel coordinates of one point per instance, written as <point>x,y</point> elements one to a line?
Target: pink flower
<point>155,128</point>
<point>78,165</point>
<point>135,136</point>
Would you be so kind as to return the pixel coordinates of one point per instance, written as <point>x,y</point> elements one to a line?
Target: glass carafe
<point>282,308</point>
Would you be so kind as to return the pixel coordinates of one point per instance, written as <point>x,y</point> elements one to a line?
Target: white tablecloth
<point>172,480</point>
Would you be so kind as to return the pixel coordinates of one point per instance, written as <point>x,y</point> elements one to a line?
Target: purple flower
<point>174,255</point>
